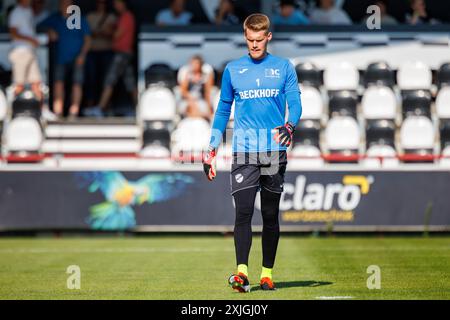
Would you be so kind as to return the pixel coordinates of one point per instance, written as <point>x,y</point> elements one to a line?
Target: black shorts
<point>263,170</point>
<point>62,71</point>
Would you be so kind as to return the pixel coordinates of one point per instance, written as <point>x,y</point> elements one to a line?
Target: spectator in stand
<point>196,87</point>
<point>225,14</point>
<point>418,13</point>
<point>328,13</point>
<point>175,15</point>
<point>40,13</point>
<point>72,46</point>
<point>102,23</point>
<point>288,14</point>
<point>386,19</point>
<point>25,67</point>
<point>123,47</point>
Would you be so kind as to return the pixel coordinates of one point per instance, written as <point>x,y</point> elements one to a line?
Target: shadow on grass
<point>296,284</point>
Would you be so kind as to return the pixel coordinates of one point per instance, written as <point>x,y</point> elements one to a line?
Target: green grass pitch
<point>197,267</point>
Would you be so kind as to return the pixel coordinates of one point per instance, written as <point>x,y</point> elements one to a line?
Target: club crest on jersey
<point>272,73</point>
<point>239,178</point>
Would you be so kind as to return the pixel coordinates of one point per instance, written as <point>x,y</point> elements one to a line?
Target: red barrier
<point>197,158</point>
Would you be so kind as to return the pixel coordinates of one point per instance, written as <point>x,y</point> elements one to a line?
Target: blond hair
<point>257,22</point>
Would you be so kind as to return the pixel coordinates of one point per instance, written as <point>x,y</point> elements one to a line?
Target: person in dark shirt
<point>418,13</point>
<point>123,47</point>
<point>225,13</point>
<point>72,46</point>
<point>288,14</point>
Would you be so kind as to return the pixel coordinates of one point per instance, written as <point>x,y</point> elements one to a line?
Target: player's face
<point>257,42</point>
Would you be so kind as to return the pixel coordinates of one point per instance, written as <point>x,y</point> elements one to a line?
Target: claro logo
<point>317,202</point>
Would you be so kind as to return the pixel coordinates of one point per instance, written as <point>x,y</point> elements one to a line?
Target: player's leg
<point>244,186</point>
<point>244,202</point>
<point>270,202</point>
<point>272,180</point>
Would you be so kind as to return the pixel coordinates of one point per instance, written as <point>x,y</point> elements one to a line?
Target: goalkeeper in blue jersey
<point>260,84</point>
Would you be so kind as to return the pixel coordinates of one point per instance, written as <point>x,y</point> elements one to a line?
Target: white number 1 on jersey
<point>258,82</point>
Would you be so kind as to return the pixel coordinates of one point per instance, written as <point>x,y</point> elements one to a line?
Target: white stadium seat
<point>386,152</point>
<point>306,156</point>
<point>417,133</point>
<point>445,161</point>
<point>341,76</point>
<point>342,133</point>
<point>24,134</point>
<point>191,135</point>
<point>155,151</point>
<point>312,103</point>
<point>379,102</point>
<point>157,103</point>
<point>305,151</point>
<point>414,75</point>
<point>3,106</point>
<point>381,151</point>
<point>443,103</point>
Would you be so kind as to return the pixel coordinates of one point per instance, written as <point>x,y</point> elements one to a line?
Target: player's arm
<point>219,124</point>
<point>292,92</point>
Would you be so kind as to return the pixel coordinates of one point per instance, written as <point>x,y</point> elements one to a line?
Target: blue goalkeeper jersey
<point>260,90</point>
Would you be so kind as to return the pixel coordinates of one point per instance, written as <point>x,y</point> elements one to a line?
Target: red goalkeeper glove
<point>284,134</point>
<point>209,164</point>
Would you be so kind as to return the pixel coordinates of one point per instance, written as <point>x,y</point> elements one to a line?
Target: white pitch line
<point>334,297</point>
<point>113,250</point>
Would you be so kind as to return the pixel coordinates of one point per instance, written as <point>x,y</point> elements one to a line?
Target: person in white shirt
<point>175,15</point>
<point>22,56</point>
<point>328,13</point>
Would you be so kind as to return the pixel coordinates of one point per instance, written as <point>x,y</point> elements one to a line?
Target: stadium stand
<point>308,74</point>
<point>160,74</point>
<point>379,102</point>
<point>417,136</point>
<point>416,103</point>
<point>341,76</point>
<point>157,113</point>
<point>91,138</point>
<point>342,135</point>
<point>3,112</point>
<point>343,103</point>
<point>443,103</point>
<point>445,137</point>
<point>313,104</point>
<point>24,133</point>
<point>355,101</point>
<point>414,75</point>
<point>443,75</point>
<point>379,73</point>
<point>190,139</point>
<point>23,136</point>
